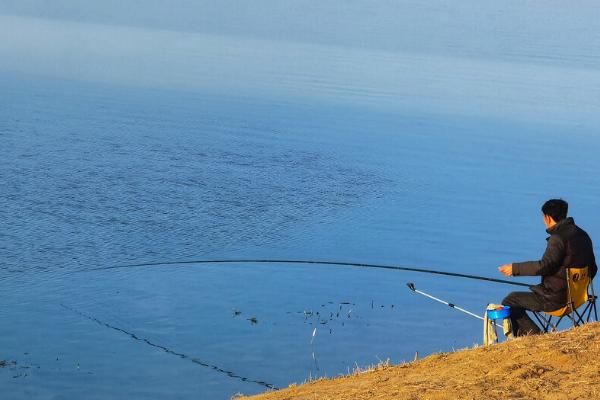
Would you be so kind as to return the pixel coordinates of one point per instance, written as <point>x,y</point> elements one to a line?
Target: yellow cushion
<point>560,312</point>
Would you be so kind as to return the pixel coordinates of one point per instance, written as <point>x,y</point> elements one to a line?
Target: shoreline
<point>561,365</point>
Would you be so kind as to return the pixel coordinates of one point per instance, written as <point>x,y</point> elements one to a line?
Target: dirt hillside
<point>563,365</point>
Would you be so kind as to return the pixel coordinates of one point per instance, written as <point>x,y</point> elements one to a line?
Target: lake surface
<point>434,150</point>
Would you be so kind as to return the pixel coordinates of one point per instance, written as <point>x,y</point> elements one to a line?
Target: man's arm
<point>549,264</point>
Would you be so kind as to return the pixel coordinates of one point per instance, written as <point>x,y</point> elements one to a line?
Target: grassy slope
<point>564,365</point>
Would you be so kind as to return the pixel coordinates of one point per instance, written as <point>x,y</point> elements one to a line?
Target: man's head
<point>554,210</point>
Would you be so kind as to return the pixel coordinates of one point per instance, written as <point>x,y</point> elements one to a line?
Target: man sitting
<point>568,246</point>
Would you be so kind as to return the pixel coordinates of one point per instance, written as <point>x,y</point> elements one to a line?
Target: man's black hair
<point>556,208</point>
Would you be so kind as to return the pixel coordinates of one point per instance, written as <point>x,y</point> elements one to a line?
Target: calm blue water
<point>436,156</point>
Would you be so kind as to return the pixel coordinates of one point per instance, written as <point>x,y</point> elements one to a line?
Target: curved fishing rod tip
<point>411,286</point>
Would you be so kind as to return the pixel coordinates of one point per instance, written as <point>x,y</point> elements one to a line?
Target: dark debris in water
<point>340,311</point>
<point>326,315</point>
<point>5,363</point>
<point>19,370</point>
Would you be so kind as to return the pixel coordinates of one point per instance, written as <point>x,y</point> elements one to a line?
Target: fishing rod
<point>411,286</point>
<point>310,262</point>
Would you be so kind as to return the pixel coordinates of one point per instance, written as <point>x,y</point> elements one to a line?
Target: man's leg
<point>519,302</point>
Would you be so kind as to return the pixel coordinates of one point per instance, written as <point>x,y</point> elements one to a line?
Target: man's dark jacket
<point>568,246</point>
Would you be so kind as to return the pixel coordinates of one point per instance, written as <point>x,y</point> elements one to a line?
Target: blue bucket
<point>499,313</point>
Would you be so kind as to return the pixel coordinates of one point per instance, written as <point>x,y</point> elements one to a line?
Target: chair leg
<point>572,318</point>
<point>593,300</point>
<point>555,326</point>
<point>545,323</point>
<point>586,315</point>
<point>571,314</point>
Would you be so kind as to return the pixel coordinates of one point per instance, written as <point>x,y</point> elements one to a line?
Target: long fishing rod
<point>318,262</point>
<point>411,286</point>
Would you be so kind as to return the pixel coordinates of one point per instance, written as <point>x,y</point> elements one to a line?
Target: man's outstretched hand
<point>506,269</point>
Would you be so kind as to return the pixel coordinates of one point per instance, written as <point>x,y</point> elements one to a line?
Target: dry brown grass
<point>564,365</point>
